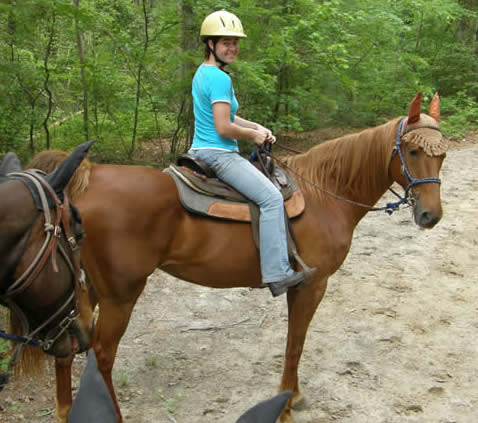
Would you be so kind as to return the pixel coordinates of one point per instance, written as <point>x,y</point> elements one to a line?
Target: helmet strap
<point>222,63</point>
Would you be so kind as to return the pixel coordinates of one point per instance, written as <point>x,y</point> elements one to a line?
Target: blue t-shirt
<point>211,85</point>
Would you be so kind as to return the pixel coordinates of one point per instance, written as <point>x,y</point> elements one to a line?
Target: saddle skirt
<point>208,196</point>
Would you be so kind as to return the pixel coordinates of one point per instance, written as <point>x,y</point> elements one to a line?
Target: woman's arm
<point>254,125</point>
<point>245,123</point>
<point>227,129</point>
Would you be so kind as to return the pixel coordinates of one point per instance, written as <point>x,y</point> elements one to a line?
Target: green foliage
<point>4,345</point>
<point>462,114</point>
<point>304,64</point>
<point>4,355</point>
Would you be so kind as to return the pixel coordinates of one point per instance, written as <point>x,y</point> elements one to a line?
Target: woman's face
<point>227,48</point>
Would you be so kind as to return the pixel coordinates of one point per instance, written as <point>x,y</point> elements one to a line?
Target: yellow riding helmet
<point>222,24</point>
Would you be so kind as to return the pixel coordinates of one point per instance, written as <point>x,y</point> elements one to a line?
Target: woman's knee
<point>273,199</point>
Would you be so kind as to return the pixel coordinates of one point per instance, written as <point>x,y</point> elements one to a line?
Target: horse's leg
<point>302,304</point>
<point>112,322</point>
<point>63,388</point>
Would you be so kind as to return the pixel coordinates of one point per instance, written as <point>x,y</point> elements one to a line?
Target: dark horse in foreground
<point>40,275</point>
<point>135,224</point>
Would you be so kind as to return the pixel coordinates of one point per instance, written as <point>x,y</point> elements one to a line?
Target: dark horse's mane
<point>49,160</point>
<point>33,361</point>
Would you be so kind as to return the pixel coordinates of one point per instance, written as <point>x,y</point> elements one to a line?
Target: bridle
<point>55,230</point>
<point>406,199</point>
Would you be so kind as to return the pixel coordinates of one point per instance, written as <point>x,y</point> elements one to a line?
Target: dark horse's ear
<point>60,177</point>
<point>415,107</point>
<point>435,108</point>
<point>93,403</point>
<point>266,411</point>
<point>10,163</point>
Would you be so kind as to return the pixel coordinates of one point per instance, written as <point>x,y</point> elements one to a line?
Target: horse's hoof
<point>298,401</point>
<point>61,419</point>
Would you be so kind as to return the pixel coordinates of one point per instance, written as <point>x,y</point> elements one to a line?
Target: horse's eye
<point>413,153</point>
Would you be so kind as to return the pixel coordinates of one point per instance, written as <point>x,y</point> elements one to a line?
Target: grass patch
<point>5,348</point>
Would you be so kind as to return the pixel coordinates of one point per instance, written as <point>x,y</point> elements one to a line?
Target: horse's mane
<point>34,362</point>
<point>49,160</point>
<point>348,162</point>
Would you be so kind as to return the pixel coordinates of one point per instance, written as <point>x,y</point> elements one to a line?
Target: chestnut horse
<point>40,275</point>
<point>135,223</point>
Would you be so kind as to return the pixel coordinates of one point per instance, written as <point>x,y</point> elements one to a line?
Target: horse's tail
<point>33,361</point>
<point>49,160</point>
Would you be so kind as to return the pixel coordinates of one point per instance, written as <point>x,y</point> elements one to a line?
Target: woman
<point>217,128</point>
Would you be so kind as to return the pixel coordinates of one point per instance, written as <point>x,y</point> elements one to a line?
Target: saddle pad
<point>206,205</point>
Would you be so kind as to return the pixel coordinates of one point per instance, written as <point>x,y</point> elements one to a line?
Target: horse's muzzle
<point>73,341</point>
<point>83,337</point>
<point>427,219</point>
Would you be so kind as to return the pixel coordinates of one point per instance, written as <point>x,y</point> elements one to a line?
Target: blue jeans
<point>239,173</point>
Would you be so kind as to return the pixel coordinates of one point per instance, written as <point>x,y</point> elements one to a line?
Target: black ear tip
<point>60,177</point>
<point>10,163</point>
<point>266,411</point>
<point>86,145</point>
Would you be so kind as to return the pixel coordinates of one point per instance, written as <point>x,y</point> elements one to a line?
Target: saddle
<point>201,192</point>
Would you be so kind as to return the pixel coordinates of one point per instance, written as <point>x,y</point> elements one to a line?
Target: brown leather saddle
<point>201,192</point>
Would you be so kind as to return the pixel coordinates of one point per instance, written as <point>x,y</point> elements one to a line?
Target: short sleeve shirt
<point>211,85</point>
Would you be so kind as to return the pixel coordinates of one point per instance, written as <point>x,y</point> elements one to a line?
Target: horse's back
<point>129,214</point>
<point>135,223</point>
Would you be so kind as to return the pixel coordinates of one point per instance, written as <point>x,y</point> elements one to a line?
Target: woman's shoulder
<point>214,72</point>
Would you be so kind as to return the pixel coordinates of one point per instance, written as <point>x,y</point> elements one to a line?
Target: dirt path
<point>395,339</point>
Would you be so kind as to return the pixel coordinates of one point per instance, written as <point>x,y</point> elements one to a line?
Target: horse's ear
<point>93,401</point>
<point>435,108</point>
<point>415,107</point>
<point>10,163</point>
<point>60,177</point>
<point>266,411</point>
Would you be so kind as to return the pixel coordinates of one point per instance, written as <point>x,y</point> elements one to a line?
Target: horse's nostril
<point>428,219</point>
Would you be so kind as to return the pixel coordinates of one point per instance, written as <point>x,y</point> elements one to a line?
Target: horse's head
<point>40,276</point>
<point>418,156</point>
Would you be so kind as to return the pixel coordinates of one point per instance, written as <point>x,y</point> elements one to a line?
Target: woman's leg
<point>238,172</point>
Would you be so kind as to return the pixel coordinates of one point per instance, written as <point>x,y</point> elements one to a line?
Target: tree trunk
<point>79,44</point>
<point>185,120</point>
<point>146,11</point>
<point>48,52</point>
<point>467,26</point>
<point>419,31</point>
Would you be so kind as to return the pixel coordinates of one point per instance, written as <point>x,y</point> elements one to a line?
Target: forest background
<point>120,71</point>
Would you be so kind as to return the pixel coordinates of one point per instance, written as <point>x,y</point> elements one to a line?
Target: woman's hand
<point>269,137</point>
<point>259,137</point>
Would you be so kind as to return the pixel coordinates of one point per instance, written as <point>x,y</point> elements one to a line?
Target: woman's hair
<point>207,50</point>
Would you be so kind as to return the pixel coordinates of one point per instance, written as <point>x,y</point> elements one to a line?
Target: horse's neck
<point>354,168</point>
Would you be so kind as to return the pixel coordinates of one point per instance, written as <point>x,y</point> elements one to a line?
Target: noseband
<point>68,312</point>
<point>412,181</point>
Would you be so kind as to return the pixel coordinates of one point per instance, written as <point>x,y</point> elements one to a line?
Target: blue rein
<point>391,207</point>
<point>20,339</point>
